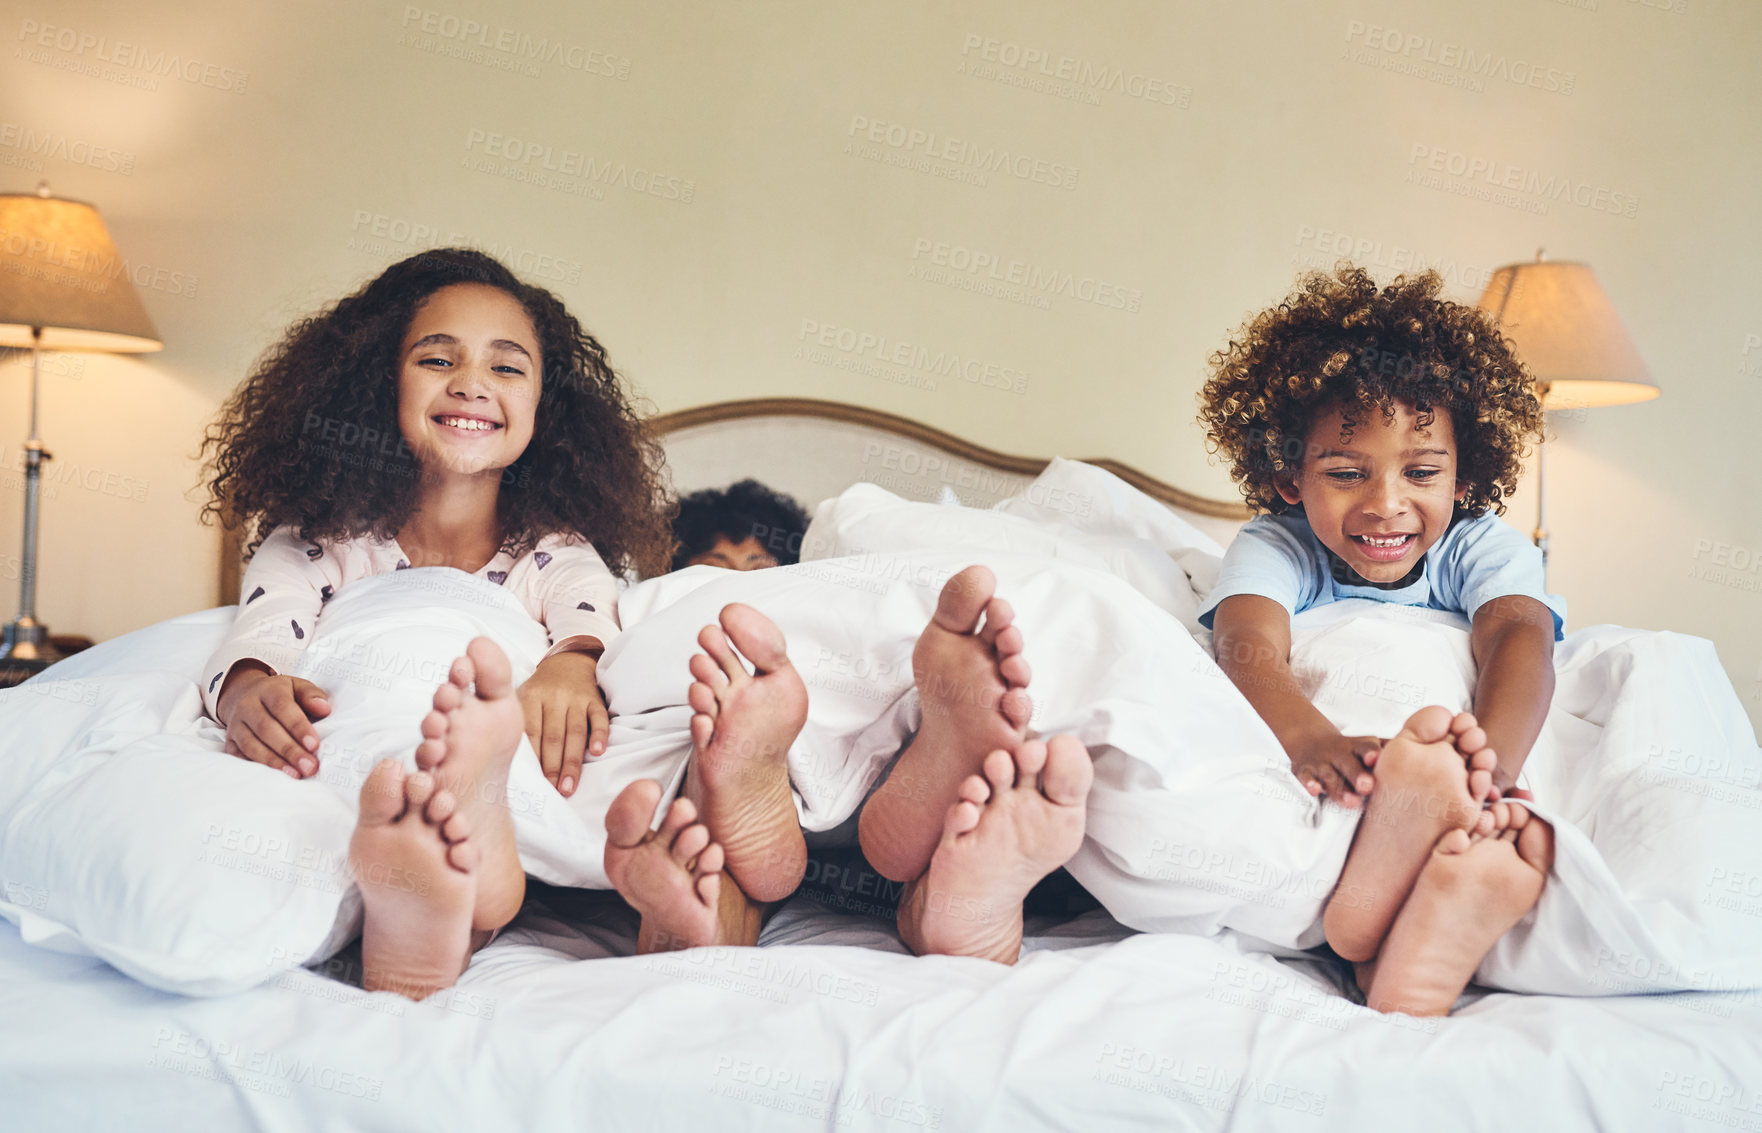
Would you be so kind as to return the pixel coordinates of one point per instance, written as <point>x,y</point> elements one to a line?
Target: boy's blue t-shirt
<point>1477,560</point>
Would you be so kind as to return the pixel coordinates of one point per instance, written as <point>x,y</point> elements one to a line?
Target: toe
<point>441,806</point>
<point>1429,725</point>
<point>963,599</point>
<point>974,789</point>
<point>703,728</point>
<point>461,672</point>
<point>382,795</point>
<point>1030,758</point>
<point>999,615</point>
<point>680,815</point>
<point>1000,769</point>
<point>495,675</point>
<point>1535,845</point>
<point>1014,670</point>
<point>705,670</point>
<point>756,636</point>
<point>1069,771</point>
<point>1453,842</point>
<point>1017,707</point>
<point>709,889</point>
<point>447,697</point>
<point>456,828</point>
<point>418,789</point>
<point>435,724</point>
<point>715,643</point>
<point>629,816</point>
<point>691,842</point>
<point>429,753</point>
<point>1009,641</point>
<point>462,856</point>
<point>1471,742</point>
<point>701,696</point>
<point>962,817</point>
<point>709,861</point>
<point>1461,723</point>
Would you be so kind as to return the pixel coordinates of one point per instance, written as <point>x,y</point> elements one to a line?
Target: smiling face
<point>1380,494</point>
<point>468,380</point>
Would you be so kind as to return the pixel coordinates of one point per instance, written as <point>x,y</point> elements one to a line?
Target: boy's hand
<point>565,716</point>
<point>269,718</point>
<point>1337,767</point>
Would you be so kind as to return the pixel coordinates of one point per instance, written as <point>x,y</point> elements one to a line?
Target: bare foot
<point>469,741</point>
<point>741,734</point>
<point>972,683</point>
<point>1012,826</point>
<point>1422,790</point>
<point>414,862</point>
<point>1469,895</point>
<point>1471,744</point>
<point>672,876</point>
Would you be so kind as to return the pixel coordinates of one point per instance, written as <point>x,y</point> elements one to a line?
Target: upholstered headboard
<point>813,450</point>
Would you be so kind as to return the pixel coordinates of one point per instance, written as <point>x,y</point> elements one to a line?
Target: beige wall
<point>1242,141</point>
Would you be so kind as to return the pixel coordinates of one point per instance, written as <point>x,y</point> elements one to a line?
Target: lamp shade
<point>60,273</point>
<point>1567,333</point>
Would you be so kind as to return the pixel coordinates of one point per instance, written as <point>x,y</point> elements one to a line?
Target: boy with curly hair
<point>1379,431</point>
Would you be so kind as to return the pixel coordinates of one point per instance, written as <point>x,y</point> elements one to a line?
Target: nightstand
<point>16,672</point>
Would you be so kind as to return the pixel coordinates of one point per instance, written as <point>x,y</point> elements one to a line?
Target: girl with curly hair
<point>1379,432</point>
<point>446,414</point>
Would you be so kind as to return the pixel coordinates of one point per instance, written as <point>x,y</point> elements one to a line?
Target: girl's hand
<point>566,716</point>
<point>269,718</point>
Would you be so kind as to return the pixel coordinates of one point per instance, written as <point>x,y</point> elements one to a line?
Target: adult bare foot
<point>672,876</point>
<point>741,733</point>
<point>469,741</point>
<point>972,683</point>
<point>1471,892</point>
<point>414,863</point>
<point>1422,790</point>
<point>1012,826</point>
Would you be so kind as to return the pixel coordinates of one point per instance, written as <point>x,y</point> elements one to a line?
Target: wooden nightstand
<point>15,672</point>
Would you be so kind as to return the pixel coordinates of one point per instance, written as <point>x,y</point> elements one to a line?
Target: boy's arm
<point>1251,636</point>
<point>1513,641</point>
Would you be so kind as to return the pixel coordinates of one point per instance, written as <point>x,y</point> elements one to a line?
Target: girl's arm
<point>566,717</point>
<point>1513,639</point>
<point>1251,636</point>
<point>268,716</point>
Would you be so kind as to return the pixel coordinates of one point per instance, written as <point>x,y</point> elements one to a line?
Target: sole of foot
<point>1422,790</point>
<point>672,876</point>
<point>1471,892</point>
<point>469,740</point>
<point>972,685</point>
<point>415,863</point>
<point>1014,824</point>
<point>742,728</point>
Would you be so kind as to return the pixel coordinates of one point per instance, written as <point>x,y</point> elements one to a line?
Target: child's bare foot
<point>972,684</point>
<point>1422,790</point>
<point>414,862</point>
<point>741,734</point>
<point>672,876</point>
<point>1469,895</point>
<point>1013,825</point>
<point>469,741</point>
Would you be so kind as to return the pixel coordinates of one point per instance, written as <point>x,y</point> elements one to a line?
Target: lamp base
<point>24,643</point>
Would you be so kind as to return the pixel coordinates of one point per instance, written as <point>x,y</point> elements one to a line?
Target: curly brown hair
<point>1337,341</point>
<point>311,437</point>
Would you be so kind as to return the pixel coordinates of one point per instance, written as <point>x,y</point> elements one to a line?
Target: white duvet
<point>124,833</point>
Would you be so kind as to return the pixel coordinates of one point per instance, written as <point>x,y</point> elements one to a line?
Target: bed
<point>829,1024</point>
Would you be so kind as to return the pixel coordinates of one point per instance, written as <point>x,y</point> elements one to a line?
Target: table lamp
<point>62,287</point>
<point>1567,333</point>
